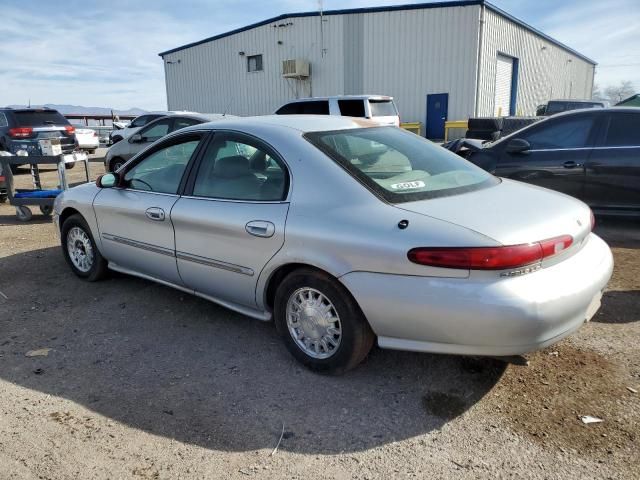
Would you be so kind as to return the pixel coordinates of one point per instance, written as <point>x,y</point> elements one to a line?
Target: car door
<point>558,151</point>
<point>134,219</point>
<point>231,220</point>
<point>613,170</point>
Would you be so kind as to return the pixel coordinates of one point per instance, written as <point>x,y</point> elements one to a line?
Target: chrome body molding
<point>142,245</point>
<point>210,262</point>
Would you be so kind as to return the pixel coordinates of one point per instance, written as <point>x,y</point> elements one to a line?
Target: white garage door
<point>504,71</point>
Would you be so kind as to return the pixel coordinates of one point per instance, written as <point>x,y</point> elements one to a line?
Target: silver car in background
<point>343,232</point>
<point>121,152</point>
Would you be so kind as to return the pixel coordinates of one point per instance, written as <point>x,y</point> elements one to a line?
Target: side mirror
<point>108,180</point>
<point>136,138</point>
<point>518,145</point>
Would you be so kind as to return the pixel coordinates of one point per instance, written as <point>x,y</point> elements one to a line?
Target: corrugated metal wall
<point>411,53</point>
<point>404,53</point>
<point>546,71</point>
<point>212,77</point>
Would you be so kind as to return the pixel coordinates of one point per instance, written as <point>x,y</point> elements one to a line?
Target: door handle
<point>155,213</point>
<point>260,228</point>
<point>570,164</point>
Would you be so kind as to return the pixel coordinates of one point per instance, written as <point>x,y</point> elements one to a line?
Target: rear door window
<point>562,133</point>
<point>382,108</point>
<point>351,108</point>
<point>39,118</point>
<point>179,123</point>
<point>623,131</point>
<point>320,107</point>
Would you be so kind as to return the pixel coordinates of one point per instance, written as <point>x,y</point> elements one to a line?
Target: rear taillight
<point>70,129</point>
<point>21,132</point>
<point>489,258</point>
<point>1,178</point>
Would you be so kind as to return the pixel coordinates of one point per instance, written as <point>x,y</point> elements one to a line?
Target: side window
<point>162,170</point>
<point>623,130</point>
<point>565,133</point>
<point>3,120</point>
<point>240,170</point>
<point>156,130</point>
<point>254,63</point>
<point>318,107</point>
<point>139,121</point>
<point>351,108</point>
<point>179,123</point>
<point>289,109</point>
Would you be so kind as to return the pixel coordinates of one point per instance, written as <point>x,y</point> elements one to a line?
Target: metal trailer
<point>22,203</point>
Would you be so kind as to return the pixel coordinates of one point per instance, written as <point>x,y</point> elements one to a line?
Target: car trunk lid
<point>511,213</point>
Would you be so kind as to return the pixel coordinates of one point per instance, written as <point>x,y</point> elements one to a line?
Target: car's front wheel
<point>320,322</point>
<point>80,249</point>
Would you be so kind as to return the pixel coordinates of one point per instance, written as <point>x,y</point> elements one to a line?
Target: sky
<point>105,54</point>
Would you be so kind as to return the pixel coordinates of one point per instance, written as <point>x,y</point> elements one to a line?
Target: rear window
<point>557,107</point>
<point>400,166</point>
<point>382,108</point>
<point>39,118</point>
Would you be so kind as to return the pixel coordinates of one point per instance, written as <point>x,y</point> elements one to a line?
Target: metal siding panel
<point>545,71</point>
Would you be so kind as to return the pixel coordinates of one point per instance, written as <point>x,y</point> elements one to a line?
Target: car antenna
<point>226,109</point>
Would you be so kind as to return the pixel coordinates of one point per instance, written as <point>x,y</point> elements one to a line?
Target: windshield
<point>382,108</point>
<point>400,166</point>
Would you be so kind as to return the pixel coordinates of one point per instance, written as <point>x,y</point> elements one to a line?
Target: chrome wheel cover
<point>80,249</point>
<point>314,323</point>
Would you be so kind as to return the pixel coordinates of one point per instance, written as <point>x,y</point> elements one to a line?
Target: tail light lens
<point>489,258</point>
<point>21,132</point>
<point>70,129</point>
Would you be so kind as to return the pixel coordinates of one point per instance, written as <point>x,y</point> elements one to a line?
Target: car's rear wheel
<point>320,322</point>
<point>80,249</point>
<point>115,164</point>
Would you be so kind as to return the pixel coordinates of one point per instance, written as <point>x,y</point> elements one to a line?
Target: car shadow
<point>37,219</point>
<point>619,307</point>
<point>619,232</point>
<point>171,364</point>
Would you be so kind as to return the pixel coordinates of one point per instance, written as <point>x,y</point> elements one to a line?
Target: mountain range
<point>66,109</point>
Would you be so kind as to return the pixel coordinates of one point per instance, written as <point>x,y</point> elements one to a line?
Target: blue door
<point>437,107</point>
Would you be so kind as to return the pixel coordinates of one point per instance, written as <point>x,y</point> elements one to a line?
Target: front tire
<point>80,250</point>
<point>320,322</point>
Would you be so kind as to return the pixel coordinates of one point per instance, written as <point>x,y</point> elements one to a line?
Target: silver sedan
<point>343,233</point>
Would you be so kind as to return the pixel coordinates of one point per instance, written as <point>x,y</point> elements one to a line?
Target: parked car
<point>378,108</point>
<point>21,129</point>
<point>559,106</point>
<point>87,139</point>
<point>135,125</point>
<point>267,216</point>
<point>593,155</point>
<point>119,153</point>
<point>139,122</point>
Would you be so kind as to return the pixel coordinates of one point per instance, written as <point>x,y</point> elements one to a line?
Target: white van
<point>379,108</point>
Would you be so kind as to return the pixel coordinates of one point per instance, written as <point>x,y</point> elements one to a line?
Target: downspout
<point>479,63</point>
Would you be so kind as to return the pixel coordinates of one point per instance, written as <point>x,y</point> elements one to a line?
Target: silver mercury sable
<point>343,232</point>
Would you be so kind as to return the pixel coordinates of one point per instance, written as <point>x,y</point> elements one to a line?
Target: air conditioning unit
<point>295,68</point>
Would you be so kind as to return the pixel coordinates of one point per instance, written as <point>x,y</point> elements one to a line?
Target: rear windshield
<point>400,166</point>
<point>382,108</point>
<point>39,118</point>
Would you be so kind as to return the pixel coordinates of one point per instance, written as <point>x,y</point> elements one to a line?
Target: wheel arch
<point>66,213</point>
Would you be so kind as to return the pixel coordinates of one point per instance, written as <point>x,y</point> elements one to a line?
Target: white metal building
<point>438,60</point>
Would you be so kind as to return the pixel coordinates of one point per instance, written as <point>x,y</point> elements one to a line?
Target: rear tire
<point>80,251</point>
<point>320,322</point>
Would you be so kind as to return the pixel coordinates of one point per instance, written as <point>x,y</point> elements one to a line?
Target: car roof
<point>301,123</point>
<point>569,100</point>
<point>341,97</point>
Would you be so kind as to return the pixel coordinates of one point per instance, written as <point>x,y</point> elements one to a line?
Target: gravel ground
<point>142,381</point>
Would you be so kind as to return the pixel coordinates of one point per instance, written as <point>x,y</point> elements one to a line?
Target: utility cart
<point>22,199</point>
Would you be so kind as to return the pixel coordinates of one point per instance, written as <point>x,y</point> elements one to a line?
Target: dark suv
<point>21,129</point>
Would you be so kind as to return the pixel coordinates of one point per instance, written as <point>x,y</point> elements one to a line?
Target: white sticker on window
<point>408,185</point>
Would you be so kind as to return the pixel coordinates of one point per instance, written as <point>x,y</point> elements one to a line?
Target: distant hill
<point>65,109</point>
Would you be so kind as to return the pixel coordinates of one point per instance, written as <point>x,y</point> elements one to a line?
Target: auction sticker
<point>407,185</point>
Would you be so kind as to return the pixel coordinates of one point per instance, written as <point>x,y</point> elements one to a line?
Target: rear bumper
<point>484,314</point>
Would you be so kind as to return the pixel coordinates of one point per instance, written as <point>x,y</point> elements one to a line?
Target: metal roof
<point>392,8</point>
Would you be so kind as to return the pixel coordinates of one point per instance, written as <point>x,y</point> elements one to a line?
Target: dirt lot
<point>142,381</point>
